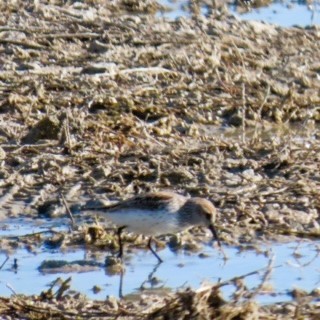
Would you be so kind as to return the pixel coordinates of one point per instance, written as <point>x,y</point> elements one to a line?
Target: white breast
<point>145,222</point>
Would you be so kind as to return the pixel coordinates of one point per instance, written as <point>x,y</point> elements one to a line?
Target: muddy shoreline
<point>103,101</point>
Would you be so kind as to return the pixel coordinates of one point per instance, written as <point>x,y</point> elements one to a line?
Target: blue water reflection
<point>282,13</point>
<point>296,265</point>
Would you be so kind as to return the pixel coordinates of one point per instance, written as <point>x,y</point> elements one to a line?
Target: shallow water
<point>24,226</point>
<point>295,265</point>
<point>300,133</point>
<point>282,13</point>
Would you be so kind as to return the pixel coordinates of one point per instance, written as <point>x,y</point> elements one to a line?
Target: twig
<point>5,261</point>
<point>148,70</point>
<point>20,148</point>
<point>30,234</point>
<point>23,44</point>
<point>87,35</point>
<point>243,113</point>
<point>264,101</point>
<point>214,287</point>
<point>67,209</point>
<point>264,279</point>
<point>9,194</point>
<point>230,281</point>
<point>146,133</point>
<point>4,29</point>
<point>296,254</point>
<point>260,111</point>
<point>65,285</point>
<point>67,134</point>
<point>8,285</point>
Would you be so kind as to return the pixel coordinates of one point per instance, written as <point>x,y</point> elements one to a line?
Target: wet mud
<point>102,100</point>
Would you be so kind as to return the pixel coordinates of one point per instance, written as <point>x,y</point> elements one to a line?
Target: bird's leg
<point>121,284</point>
<point>215,235</point>
<point>119,231</point>
<point>152,250</point>
<point>150,277</point>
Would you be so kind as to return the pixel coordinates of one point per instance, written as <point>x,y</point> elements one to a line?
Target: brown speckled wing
<point>149,201</point>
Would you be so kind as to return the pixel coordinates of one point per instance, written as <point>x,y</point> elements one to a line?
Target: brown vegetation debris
<point>104,99</point>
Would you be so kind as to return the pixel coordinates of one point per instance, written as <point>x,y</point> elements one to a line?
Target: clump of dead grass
<point>98,103</point>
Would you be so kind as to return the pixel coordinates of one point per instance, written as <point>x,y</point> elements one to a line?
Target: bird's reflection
<point>150,282</point>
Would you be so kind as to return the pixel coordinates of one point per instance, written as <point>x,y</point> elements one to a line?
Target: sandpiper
<point>158,213</point>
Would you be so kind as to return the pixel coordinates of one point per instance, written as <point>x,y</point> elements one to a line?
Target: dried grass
<point>95,101</point>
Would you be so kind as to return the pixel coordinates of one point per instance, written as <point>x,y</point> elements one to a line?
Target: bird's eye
<point>208,216</point>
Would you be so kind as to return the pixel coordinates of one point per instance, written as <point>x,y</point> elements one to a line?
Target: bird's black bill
<point>215,235</point>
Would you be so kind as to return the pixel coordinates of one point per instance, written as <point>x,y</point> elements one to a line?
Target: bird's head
<point>206,215</point>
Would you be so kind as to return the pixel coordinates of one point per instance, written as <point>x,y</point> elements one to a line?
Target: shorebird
<point>159,213</point>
